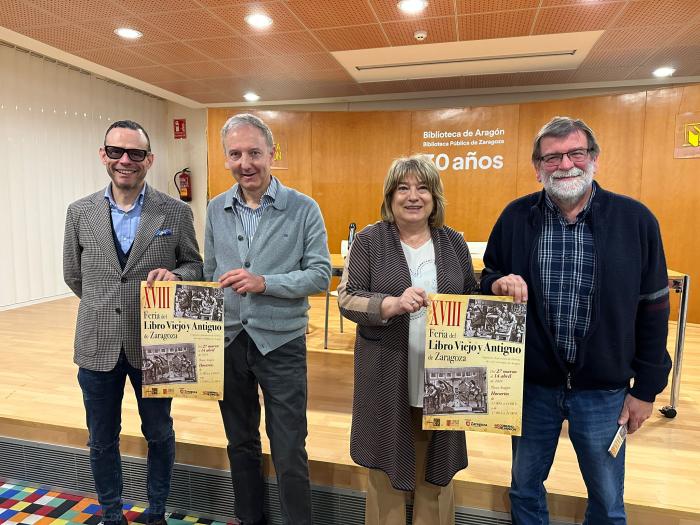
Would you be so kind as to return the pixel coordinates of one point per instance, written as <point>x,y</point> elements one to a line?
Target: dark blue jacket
<point>629,324</point>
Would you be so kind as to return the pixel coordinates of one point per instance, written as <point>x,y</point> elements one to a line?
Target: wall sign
<point>464,150</point>
<point>687,144</point>
<point>180,128</point>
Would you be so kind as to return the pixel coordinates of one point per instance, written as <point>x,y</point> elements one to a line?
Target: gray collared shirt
<point>250,218</point>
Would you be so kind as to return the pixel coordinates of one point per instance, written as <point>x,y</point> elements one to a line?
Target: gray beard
<point>570,192</point>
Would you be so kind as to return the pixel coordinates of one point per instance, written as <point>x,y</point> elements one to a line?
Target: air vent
<point>465,60</point>
<point>195,490</point>
<point>473,57</point>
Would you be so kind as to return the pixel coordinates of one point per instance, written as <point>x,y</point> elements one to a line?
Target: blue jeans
<point>592,416</point>
<point>102,396</point>
<point>281,375</point>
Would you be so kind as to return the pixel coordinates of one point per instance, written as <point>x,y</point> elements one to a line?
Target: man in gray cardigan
<point>267,245</point>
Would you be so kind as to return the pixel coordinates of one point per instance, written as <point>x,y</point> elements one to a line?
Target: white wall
<point>52,123</point>
<point>189,153</point>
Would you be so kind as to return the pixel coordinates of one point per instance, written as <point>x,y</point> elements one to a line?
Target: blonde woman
<point>390,270</point>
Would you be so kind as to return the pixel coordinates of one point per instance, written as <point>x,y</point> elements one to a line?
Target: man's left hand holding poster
<point>182,339</point>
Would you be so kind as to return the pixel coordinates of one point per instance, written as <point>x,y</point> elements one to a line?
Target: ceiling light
<point>412,6</point>
<point>251,97</point>
<point>258,21</point>
<point>128,33</point>
<point>664,72</point>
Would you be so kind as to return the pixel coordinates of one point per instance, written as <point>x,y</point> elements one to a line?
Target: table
<point>338,262</point>
<point>678,282</point>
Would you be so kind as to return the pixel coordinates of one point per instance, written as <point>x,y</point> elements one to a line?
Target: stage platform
<point>41,402</point>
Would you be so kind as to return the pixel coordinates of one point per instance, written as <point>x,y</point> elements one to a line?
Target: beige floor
<point>41,401</point>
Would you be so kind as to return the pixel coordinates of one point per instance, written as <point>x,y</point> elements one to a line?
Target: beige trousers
<point>432,504</point>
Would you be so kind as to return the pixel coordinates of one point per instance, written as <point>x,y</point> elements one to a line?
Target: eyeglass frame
<point>128,151</point>
<point>553,156</point>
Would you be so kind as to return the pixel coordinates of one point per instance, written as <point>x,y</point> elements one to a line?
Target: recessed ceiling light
<point>664,72</point>
<point>128,33</point>
<point>412,6</point>
<point>258,21</point>
<point>251,97</point>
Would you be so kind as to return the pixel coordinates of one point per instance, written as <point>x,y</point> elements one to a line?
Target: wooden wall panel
<point>616,120</point>
<point>351,153</point>
<point>340,159</point>
<point>670,186</point>
<point>292,130</point>
<point>475,197</point>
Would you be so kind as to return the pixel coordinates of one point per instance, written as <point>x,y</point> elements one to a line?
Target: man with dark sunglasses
<point>590,264</point>
<point>114,239</point>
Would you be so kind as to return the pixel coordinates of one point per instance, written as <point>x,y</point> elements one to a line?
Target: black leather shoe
<point>122,522</point>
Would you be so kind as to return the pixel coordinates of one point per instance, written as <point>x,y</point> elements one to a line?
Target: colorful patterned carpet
<point>20,505</point>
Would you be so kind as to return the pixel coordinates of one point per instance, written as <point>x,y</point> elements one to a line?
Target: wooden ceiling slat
<point>207,41</point>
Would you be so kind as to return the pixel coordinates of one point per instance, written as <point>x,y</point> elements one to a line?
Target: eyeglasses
<point>115,153</point>
<point>575,155</point>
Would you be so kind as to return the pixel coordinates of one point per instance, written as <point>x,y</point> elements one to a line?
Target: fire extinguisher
<point>183,183</point>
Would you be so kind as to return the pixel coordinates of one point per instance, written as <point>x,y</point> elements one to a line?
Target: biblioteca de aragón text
<point>467,138</point>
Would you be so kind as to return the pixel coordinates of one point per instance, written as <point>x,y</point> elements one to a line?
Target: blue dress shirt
<point>125,223</point>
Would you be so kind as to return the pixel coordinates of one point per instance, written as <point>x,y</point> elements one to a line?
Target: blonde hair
<point>425,171</point>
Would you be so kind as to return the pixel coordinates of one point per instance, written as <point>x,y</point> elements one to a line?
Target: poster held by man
<point>182,339</point>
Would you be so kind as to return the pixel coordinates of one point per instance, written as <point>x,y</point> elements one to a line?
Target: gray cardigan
<point>289,249</point>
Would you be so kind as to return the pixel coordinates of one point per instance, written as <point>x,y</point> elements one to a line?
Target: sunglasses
<point>115,153</point>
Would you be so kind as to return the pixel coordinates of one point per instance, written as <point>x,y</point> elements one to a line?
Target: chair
<point>476,249</point>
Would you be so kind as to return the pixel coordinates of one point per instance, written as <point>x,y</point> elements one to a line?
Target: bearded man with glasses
<point>591,266</point>
<point>114,239</point>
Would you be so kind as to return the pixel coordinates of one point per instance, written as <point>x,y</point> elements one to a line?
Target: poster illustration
<point>182,339</point>
<point>474,364</point>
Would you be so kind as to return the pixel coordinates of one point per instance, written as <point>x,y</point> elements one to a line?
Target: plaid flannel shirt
<point>567,262</point>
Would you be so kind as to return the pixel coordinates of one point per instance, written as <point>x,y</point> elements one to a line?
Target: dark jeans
<point>281,375</point>
<point>592,416</point>
<point>102,396</point>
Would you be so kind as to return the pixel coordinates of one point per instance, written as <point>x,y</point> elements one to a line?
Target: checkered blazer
<point>109,312</point>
